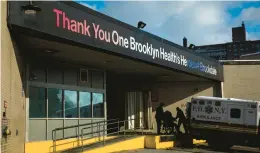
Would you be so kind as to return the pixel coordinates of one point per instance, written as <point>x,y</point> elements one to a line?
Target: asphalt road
<point>198,149</point>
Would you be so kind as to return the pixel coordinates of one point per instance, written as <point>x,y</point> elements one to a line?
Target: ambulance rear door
<point>235,113</point>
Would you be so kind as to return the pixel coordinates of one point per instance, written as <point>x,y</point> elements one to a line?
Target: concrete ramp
<point>112,144</point>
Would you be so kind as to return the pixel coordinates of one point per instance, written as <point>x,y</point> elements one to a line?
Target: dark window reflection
<point>70,99</point>
<point>55,103</point>
<point>37,103</point>
<point>235,113</point>
<point>85,104</point>
<point>83,75</point>
<point>98,105</point>
<point>38,74</point>
<point>70,76</point>
<point>55,76</point>
<point>97,79</point>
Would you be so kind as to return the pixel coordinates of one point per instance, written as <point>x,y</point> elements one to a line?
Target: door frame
<point>254,112</point>
<point>136,108</point>
<point>236,120</point>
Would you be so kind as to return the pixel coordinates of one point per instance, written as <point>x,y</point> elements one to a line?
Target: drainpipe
<point>222,89</point>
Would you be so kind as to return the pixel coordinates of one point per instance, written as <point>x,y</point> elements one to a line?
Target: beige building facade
<point>12,97</point>
<point>242,79</point>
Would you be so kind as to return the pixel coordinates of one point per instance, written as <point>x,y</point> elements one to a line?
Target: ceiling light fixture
<point>107,62</point>
<point>49,51</point>
<point>165,76</point>
<point>30,8</point>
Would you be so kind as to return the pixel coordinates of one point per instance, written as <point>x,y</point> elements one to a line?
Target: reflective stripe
<point>225,128</point>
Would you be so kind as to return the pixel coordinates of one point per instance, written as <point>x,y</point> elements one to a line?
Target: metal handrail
<point>77,133</point>
<point>104,131</point>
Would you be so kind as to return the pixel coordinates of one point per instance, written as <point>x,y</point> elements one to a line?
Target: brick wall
<point>11,89</point>
<point>242,81</point>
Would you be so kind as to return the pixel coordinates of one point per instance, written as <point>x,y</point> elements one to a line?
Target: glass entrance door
<point>134,105</point>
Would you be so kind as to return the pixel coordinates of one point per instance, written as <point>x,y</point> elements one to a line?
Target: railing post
<point>98,131</point>
<point>82,139</point>
<point>103,134</point>
<point>124,129</point>
<point>54,140</point>
<point>77,133</point>
<point>142,130</point>
<point>92,129</point>
<point>118,127</point>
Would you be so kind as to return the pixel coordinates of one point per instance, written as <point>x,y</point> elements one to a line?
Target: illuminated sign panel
<point>65,21</point>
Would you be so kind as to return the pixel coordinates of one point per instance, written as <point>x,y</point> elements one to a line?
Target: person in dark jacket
<point>182,120</point>
<point>159,117</point>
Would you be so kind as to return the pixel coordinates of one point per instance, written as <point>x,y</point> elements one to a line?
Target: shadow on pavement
<point>236,149</point>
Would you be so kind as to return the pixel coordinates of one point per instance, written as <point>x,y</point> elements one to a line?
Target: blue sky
<point>200,22</point>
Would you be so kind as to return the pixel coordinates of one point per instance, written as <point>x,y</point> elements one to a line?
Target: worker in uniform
<point>182,120</point>
<point>159,117</point>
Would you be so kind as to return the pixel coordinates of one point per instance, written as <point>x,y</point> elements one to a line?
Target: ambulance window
<point>235,113</point>
<point>209,102</point>
<point>194,102</point>
<point>253,106</point>
<point>201,102</point>
<point>217,103</point>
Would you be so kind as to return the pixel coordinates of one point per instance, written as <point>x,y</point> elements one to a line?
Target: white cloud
<point>200,22</point>
<point>252,19</point>
<point>251,14</point>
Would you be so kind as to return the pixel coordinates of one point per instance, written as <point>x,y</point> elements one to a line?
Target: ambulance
<point>224,122</point>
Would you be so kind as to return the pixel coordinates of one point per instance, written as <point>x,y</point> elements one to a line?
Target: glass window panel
<point>85,104</point>
<point>201,102</point>
<point>71,107</point>
<point>253,106</point>
<point>235,113</point>
<point>85,78</point>
<point>55,76</point>
<point>37,103</point>
<point>83,75</point>
<point>97,79</point>
<point>70,76</point>
<point>55,103</point>
<point>98,105</point>
<point>38,74</point>
<point>217,103</point>
<point>194,102</point>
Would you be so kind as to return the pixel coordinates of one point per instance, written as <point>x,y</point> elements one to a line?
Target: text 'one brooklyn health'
<point>95,31</point>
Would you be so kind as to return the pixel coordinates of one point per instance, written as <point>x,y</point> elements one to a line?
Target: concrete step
<point>160,141</point>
